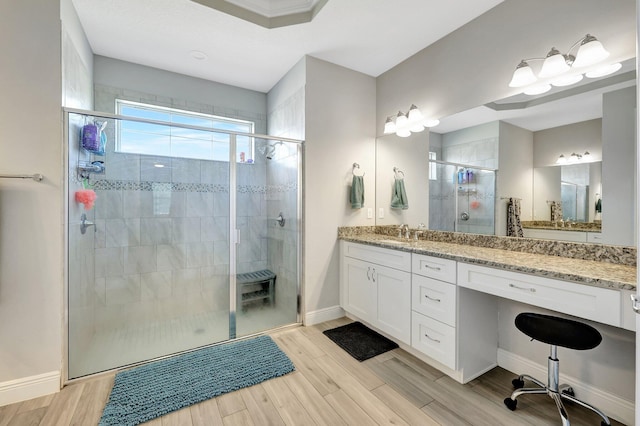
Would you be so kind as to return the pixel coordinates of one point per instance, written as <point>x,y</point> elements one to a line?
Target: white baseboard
<point>29,387</point>
<point>612,405</point>
<point>322,315</point>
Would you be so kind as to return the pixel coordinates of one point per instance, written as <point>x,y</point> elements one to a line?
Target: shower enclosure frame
<point>234,232</point>
<point>469,166</point>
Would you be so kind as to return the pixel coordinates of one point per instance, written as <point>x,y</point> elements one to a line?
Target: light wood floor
<point>329,387</point>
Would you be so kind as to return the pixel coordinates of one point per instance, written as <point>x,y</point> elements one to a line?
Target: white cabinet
<point>434,267</point>
<point>560,235</point>
<point>594,237</point>
<point>593,303</point>
<point>375,292</point>
<point>360,295</point>
<point>433,298</point>
<point>434,339</point>
<point>447,312</point>
<point>433,302</point>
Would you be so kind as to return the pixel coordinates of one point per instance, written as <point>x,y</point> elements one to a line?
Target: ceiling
<point>186,37</point>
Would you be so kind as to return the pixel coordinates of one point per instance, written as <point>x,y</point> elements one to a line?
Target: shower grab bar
<point>37,177</point>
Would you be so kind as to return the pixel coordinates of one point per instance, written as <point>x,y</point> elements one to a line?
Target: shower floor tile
<point>139,342</point>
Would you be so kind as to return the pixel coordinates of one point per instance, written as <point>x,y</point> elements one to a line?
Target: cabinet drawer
<point>584,301</point>
<point>434,267</point>
<point>434,339</point>
<point>382,256</point>
<point>433,298</point>
<point>594,237</point>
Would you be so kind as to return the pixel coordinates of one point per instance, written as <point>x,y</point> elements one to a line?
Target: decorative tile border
<point>127,185</point>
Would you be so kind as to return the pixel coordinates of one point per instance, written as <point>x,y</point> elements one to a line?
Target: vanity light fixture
<point>574,158</point>
<point>411,122</point>
<point>559,69</point>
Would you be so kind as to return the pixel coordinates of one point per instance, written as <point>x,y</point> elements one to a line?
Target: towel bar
<point>37,177</point>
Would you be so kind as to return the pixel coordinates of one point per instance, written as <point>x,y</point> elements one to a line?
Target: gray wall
<point>515,173</point>
<point>31,214</point>
<point>619,167</point>
<point>548,144</point>
<point>334,95</point>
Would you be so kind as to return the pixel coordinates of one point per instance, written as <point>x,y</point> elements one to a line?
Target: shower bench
<point>258,285</point>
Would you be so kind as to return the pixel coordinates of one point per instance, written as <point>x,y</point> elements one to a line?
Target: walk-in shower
<point>190,238</point>
<point>461,198</point>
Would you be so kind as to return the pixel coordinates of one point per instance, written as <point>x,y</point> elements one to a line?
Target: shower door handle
<point>236,236</point>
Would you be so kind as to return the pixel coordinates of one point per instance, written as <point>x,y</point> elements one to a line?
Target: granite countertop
<point>574,227</point>
<point>588,272</point>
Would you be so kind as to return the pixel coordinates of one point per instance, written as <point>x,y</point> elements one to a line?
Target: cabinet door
<point>394,302</point>
<point>359,293</point>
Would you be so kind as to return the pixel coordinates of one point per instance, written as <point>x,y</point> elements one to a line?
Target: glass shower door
<point>267,219</point>
<point>148,265</point>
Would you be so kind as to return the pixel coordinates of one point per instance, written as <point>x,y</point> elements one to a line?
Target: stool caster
<point>510,403</point>
<point>517,383</point>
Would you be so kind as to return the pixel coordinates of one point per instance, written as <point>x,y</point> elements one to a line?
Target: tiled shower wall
<point>477,198</point>
<point>285,120</point>
<point>162,240</point>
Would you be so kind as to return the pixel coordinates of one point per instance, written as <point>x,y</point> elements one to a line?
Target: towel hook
<point>353,170</point>
<point>398,171</point>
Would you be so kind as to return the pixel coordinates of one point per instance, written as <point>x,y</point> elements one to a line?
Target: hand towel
<point>399,196</point>
<point>514,226</point>
<point>356,196</point>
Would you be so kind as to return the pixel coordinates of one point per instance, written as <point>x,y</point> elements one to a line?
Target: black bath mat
<point>359,341</point>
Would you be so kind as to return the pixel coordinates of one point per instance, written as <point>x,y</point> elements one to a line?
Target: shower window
<point>433,174</point>
<point>156,139</point>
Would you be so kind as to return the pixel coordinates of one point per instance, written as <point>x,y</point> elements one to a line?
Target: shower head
<point>269,151</point>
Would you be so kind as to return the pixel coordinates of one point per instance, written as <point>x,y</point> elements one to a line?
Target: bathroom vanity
<point>439,300</point>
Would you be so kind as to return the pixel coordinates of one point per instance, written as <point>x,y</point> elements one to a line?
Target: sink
<point>392,242</point>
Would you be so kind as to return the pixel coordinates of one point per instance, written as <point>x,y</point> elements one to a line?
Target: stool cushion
<point>558,331</point>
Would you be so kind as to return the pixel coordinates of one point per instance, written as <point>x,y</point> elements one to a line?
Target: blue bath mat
<point>158,388</point>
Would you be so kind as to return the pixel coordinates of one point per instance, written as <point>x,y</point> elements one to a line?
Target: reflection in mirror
<point>577,187</point>
<point>461,198</point>
<point>596,117</point>
<point>408,156</point>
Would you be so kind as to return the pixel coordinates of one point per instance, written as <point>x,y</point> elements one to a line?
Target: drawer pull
<point>431,298</point>
<point>373,276</point>
<point>368,272</point>
<point>435,268</point>
<point>532,290</point>
<point>431,338</point>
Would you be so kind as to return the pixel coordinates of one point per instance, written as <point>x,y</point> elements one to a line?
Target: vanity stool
<point>556,332</point>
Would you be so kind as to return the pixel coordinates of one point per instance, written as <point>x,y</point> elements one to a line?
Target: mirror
<point>407,156</point>
<point>597,116</point>
<point>577,187</point>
